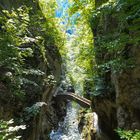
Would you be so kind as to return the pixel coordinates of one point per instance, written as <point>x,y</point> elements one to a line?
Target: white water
<point>68,130</point>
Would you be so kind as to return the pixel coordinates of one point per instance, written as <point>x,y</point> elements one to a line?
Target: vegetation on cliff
<point>29,43</point>
<point>115,25</point>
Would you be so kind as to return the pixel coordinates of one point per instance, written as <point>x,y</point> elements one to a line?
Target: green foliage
<point>116,65</point>
<point>116,29</point>
<point>84,7</point>
<point>34,110</point>
<point>13,30</point>
<point>50,80</point>
<point>81,68</point>
<point>20,40</point>
<point>80,55</point>
<point>117,34</point>
<point>53,32</point>
<point>80,46</point>
<point>28,39</point>
<point>128,134</point>
<point>8,131</point>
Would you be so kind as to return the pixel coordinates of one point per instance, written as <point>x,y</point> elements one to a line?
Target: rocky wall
<point>36,109</point>
<point>117,98</point>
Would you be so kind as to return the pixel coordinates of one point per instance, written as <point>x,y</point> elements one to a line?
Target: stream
<point>68,129</point>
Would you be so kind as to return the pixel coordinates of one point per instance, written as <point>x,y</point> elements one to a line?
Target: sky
<point>62,12</point>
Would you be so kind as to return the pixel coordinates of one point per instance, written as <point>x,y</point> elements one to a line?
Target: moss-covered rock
<point>30,68</point>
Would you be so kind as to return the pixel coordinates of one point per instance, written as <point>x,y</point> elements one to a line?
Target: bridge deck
<point>72,96</point>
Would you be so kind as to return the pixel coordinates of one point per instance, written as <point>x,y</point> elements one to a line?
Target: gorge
<point>46,46</point>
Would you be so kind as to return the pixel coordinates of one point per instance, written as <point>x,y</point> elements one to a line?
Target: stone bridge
<point>73,97</point>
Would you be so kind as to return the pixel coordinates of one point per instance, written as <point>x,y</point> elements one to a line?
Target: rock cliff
<point>116,98</point>
<point>39,74</point>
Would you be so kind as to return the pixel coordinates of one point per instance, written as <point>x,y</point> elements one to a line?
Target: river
<point>68,129</point>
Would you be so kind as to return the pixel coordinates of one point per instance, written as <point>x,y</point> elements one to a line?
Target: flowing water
<point>68,130</point>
